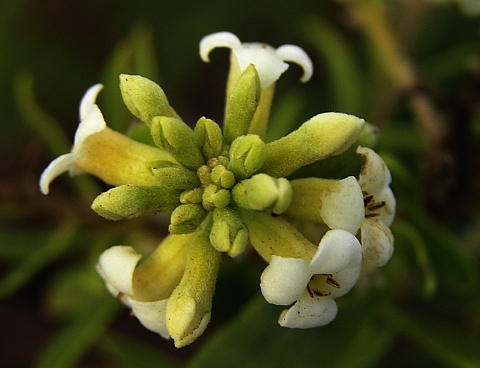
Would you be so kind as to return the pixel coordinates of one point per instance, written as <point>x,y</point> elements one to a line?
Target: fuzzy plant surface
<point>228,190</point>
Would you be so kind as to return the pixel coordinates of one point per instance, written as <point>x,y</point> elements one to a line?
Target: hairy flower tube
<point>226,189</point>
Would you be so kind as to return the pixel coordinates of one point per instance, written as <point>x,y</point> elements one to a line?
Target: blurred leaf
<point>130,353</point>
<point>16,242</point>
<point>70,344</point>
<point>403,230</point>
<point>41,122</point>
<point>454,266</point>
<point>341,63</point>
<point>452,347</point>
<point>135,55</point>
<point>76,285</point>
<point>255,339</point>
<point>285,115</point>
<point>45,254</point>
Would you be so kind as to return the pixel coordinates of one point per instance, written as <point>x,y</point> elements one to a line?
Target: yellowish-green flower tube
<point>157,277</point>
<point>306,202</point>
<point>130,201</point>
<point>189,307</point>
<point>271,235</point>
<point>324,135</point>
<point>117,159</point>
<point>144,98</point>
<point>241,105</point>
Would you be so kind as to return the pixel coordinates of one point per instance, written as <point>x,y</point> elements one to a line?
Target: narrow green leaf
<point>342,65</point>
<point>451,347</point>
<point>404,230</point>
<point>53,248</point>
<point>254,339</point>
<point>130,353</point>
<point>67,347</point>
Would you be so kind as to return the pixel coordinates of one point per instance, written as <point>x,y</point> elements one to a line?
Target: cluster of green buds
<point>227,189</point>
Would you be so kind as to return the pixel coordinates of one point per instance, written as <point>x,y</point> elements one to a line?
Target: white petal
<point>215,40</point>
<point>374,175</point>
<point>346,278</point>
<point>377,242</point>
<point>269,66</point>
<point>337,250</point>
<point>116,266</point>
<point>88,100</point>
<point>309,312</point>
<point>284,280</point>
<point>152,315</point>
<point>93,122</point>
<point>386,214</point>
<point>298,56</point>
<point>57,167</point>
<point>342,205</point>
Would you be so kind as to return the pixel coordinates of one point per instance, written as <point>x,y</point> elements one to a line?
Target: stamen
<point>310,291</point>
<point>120,296</point>
<point>370,215</point>
<point>367,199</point>
<point>376,206</point>
<point>333,282</point>
<point>322,293</point>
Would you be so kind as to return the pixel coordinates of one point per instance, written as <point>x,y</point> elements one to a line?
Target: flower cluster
<point>226,189</point>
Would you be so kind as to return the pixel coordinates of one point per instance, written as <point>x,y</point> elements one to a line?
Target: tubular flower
<point>225,188</point>
<point>332,272</point>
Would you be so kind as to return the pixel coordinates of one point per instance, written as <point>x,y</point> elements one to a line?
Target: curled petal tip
<point>298,56</point>
<point>57,167</point>
<point>89,99</point>
<point>215,40</point>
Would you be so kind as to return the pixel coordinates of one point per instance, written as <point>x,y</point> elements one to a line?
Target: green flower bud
<point>228,233</point>
<point>275,236</point>
<point>263,193</point>
<point>186,218</point>
<point>247,155</point>
<point>324,135</point>
<point>192,196</point>
<point>144,98</point>
<point>173,176</point>
<point>176,137</point>
<point>222,177</point>
<point>215,197</point>
<point>208,137</point>
<point>241,105</point>
<point>130,201</point>
<point>189,306</point>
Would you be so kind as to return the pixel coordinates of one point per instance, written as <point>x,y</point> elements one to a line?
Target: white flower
<point>116,265</point>
<point>91,122</point>
<point>269,62</point>
<point>368,205</point>
<point>332,272</point>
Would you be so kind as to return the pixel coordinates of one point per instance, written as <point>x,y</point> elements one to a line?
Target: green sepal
<point>176,137</point>
<point>173,176</point>
<point>186,218</point>
<point>228,234</point>
<point>247,155</point>
<point>144,98</point>
<point>263,193</point>
<point>192,196</point>
<point>241,105</point>
<point>208,137</point>
<point>323,136</point>
<point>130,201</point>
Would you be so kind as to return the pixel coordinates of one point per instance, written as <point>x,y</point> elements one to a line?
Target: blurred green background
<point>410,67</point>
